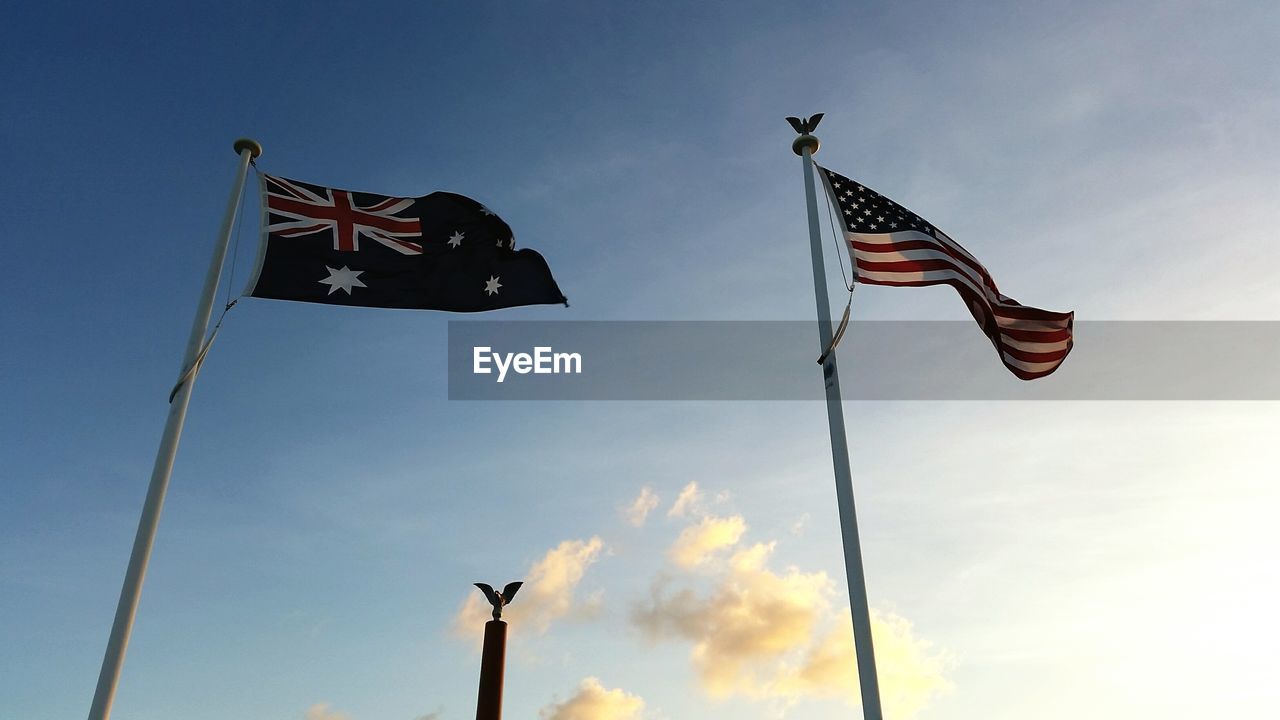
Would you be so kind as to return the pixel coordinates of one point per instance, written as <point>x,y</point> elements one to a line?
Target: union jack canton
<point>296,210</point>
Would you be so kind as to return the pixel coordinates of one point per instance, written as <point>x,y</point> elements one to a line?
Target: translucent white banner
<point>729,360</point>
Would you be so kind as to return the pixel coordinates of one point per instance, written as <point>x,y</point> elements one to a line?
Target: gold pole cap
<point>253,146</point>
<point>800,143</point>
<point>805,127</point>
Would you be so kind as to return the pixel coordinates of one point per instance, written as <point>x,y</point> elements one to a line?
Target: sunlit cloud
<point>640,508</point>
<point>773,635</point>
<point>743,628</point>
<point>322,711</point>
<point>909,670</point>
<point>698,543</point>
<point>548,593</point>
<point>593,701</point>
<point>686,501</point>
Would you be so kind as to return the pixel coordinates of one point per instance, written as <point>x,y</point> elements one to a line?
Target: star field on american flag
<point>890,245</point>
<point>867,211</point>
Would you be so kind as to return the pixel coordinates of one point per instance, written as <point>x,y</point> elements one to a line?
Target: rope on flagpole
<point>839,333</point>
<point>204,350</point>
<point>848,306</point>
<point>235,251</point>
<point>831,222</point>
<point>228,303</point>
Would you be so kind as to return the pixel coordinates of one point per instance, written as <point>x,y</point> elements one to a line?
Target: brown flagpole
<point>492,662</point>
<point>494,655</point>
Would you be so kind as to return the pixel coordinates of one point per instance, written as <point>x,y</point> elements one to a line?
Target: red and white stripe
<point>1031,342</point>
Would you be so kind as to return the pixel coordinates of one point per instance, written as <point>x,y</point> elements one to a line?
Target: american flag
<point>890,245</point>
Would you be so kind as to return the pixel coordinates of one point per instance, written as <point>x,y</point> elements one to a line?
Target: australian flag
<point>442,251</point>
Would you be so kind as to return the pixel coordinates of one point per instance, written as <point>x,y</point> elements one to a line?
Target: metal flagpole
<point>122,626</point>
<point>805,146</point>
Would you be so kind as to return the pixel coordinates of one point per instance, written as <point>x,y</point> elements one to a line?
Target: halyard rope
<point>848,306</point>
<point>190,372</point>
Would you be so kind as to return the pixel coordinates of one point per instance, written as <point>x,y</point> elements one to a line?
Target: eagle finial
<point>807,125</point>
<point>806,139</point>
<point>499,599</point>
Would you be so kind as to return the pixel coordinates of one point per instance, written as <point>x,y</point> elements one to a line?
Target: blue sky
<point>330,507</point>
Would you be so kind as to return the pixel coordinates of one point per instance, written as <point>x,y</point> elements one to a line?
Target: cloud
<point>697,543</point>
<point>745,626</point>
<point>594,702</point>
<point>321,711</point>
<point>640,508</point>
<point>547,594</point>
<point>909,672</point>
<point>686,501</point>
<point>798,527</point>
<point>769,635</point>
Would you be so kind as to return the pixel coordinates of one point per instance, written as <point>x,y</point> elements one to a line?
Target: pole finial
<point>254,147</point>
<point>805,127</point>
<point>499,599</point>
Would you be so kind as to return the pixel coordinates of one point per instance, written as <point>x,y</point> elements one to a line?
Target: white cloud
<point>547,594</point>
<point>697,543</point>
<point>686,501</point>
<point>798,527</point>
<point>593,702</point>
<point>640,508</point>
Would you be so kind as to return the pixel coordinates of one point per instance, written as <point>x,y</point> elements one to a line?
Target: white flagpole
<point>127,607</point>
<point>805,146</point>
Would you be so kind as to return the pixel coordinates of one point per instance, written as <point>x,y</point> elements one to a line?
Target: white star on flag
<point>346,278</point>
<point>491,287</point>
<point>455,239</point>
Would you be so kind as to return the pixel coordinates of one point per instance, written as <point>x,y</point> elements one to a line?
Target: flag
<point>890,245</point>
<point>442,251</point>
